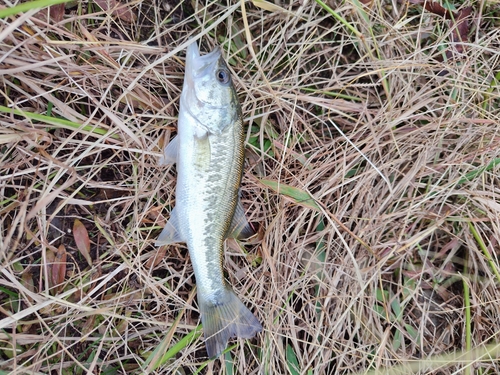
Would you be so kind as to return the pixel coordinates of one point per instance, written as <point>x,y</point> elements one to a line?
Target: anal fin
<point>170,152</point>
<point>240,228</point>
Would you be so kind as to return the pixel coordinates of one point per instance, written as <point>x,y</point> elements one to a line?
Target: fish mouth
<point>197,65</point>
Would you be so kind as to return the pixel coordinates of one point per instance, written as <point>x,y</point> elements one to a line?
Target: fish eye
<point>222,76</point>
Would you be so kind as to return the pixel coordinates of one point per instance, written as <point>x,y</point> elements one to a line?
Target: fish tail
<point>223,315</point>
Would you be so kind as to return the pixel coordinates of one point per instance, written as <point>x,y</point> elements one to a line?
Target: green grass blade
<point>181,344</point>
<point>292,362</point>
<point>56,122</point>
<point>24,7</point>
<point>468,327</point>
<point>484,248</point>
<point>301,197</point>
<point>337,16</point>
<point>473,174</point>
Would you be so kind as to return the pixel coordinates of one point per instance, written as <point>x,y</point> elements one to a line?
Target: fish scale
<point>209,152</point>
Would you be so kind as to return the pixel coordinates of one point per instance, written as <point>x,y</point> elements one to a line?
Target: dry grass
<point>394,266</point>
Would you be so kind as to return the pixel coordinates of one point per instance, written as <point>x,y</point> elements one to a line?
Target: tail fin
<point>224,316</point>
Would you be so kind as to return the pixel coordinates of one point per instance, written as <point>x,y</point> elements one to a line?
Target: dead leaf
<point>27,281</point>
<point>81,236</point>
<point>155,216</point>
<point>56,12</point>
<point>59,266</point>
<point>122,11</point>
<point>156,258</point>
<point>461,29</point>
<point>88,326</point>
<point>433,7</point>
<point>458,24</point>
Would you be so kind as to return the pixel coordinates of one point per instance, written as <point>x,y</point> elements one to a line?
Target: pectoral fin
<point>170,152</point>
<point>202,154</point>
<point>170,234</point>
<point>240,228</point>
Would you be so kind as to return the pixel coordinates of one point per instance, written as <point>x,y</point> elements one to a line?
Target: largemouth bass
<point>209,154</point>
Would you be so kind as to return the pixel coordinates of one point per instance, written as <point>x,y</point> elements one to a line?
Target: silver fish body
<point>209,154</point>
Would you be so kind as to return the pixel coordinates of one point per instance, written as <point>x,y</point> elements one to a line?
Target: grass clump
<point>371,174</point>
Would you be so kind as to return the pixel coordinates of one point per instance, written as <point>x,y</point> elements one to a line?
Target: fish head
<point>208,92</point>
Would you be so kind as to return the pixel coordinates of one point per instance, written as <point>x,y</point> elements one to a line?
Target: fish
<point>209,153</point>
